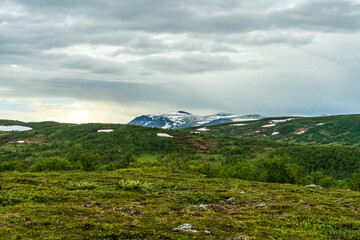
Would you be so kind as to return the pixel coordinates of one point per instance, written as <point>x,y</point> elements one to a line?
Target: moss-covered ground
<point>148,204</point>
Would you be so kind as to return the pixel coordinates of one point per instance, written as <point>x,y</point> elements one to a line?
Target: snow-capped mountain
<point>182,119</point>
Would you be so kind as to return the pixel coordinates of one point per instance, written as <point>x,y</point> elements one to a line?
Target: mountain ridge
<point>183,119</point>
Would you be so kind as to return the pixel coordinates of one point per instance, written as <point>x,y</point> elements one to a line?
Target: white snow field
<point>105,130</point>
<point>14,128</point>
<point>164,135</point>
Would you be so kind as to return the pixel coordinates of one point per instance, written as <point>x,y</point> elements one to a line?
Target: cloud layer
<point>271,57</point>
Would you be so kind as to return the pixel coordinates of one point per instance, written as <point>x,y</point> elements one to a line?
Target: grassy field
<point>148,204</point>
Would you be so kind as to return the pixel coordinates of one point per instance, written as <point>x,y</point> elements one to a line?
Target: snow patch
<point>105,130</point>
<point>270,125</point>
<point>167,126</point>
<point>164,135</point>
<point>238,124</point>
<point>301,132</point>
<point>275,133</point>
<point>14,128</point>
<point>281,120</point>
<point>204,129</point>
<point>320,124</point>
<point>20,141</point>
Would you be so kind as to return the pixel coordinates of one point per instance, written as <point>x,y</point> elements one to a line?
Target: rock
<point>231,200</point>
<point>188,228</point>
<point>185,227</point>
<point>202,206</point>
<point>313,186</point>
<point>260,205</point>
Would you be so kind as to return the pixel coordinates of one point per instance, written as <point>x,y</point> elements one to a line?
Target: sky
<point>112,60</point>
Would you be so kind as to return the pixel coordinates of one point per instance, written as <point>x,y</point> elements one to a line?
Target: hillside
<point>342,130</point>
<point>60,146</point>
<point>137,204</point>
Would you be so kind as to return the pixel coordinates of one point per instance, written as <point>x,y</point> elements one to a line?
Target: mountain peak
<point>183,112</point>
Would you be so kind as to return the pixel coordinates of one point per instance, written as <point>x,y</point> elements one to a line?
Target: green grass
<point>138,204</point>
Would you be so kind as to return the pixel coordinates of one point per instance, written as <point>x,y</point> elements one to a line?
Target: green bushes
<point>279,170</point>
<point>319,178</point>
<point>88,161</point>
<point>52,164</point>
<point>354,181</point>
<point>134,185</point>
<point>81,186</point>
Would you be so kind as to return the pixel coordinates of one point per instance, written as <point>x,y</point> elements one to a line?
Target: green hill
<point>58,146</point>
<point>341,130</point>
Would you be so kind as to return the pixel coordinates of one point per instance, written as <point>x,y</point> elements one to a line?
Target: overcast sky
<point>112,60</point>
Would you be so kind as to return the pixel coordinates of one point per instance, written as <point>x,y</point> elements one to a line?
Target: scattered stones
<point>216,207</point>
<point>313,186</point>
<point>186,228</point>
<point>189,228</point>
<point>260,205</point>
<point>92,205</point>
<point>231,200</point>
<point>127,210</point>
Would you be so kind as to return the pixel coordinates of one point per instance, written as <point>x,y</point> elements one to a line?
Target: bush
<point>88,161</point>
<point>208,169</point>
<point>355,181</point>
<point>319,178</point>
<point>241,170</point>
<point>81,186</point>
<point>279,170</point>
<point>134,185</point>
<point>51,164</point>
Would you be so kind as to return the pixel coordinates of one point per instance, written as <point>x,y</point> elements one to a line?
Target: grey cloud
<point>173,17</point>
<point>195,63</point>
<point>62,23</point>
<point>208,37</point>
<point>93,65</point>
<point>91,90</point>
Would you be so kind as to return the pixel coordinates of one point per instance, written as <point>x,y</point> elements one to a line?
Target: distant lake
<point>14,128</point>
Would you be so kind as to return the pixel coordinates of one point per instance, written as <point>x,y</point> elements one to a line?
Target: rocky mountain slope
<point>182,119</point>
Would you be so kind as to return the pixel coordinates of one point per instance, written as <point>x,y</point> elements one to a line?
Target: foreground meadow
<point>139,204</point>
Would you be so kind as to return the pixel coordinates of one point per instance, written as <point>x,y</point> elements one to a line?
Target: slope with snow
<point>182,119</point>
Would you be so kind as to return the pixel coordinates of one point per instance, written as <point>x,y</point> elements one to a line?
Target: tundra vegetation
<point>67,181</point>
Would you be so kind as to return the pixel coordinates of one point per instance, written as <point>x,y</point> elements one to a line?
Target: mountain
<point>182,119</point>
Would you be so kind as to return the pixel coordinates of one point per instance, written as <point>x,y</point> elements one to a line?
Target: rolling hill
<point>341,130</point>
